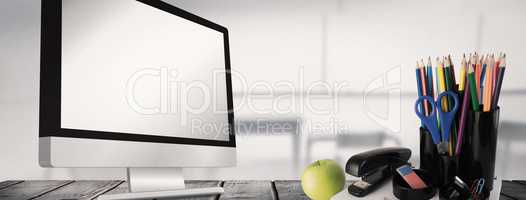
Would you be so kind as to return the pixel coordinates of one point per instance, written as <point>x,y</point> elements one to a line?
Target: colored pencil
<point>477,75</point>
<point>447,83</point>
<point>430,77</point>
<point>496,72</point>
<point>483,77</point>
<point>498,83</point>
<point>452,70</point>
<point>462,73</point>
<point>487,86</point>
<point>491,64</point>
<point>447,76</point>
<point>490,84</point>
<point>437,69</point>
<point>429,82</point>
<point>450,86</point>
<point>419,88</point>
<point>463,110</point>
<point>480,84</point>
<point>473,89</point>
<point>424,87</point>
<point>442,82</point>
<point>437,90</point>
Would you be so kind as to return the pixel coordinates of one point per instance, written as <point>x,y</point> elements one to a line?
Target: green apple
<point>322,179</point>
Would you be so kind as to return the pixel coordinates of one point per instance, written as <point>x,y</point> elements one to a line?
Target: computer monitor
<point>141,85</point>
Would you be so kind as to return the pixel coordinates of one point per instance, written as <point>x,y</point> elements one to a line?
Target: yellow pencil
<point>462,73</point>
<point>442,81</point>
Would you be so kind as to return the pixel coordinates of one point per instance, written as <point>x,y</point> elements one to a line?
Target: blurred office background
<point>365,51</point>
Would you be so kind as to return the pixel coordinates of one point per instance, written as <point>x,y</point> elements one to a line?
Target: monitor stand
<point>158,183</point>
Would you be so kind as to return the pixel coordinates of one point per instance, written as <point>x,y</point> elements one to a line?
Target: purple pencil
<point>463,116</point>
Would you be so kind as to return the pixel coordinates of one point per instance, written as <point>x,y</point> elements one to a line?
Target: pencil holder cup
<point>448,169</point>
<point>442,168</point>
<point>429,157</point>
<point>479,147</point>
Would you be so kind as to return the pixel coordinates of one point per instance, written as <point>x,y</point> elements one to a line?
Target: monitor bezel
<point>50,81</point>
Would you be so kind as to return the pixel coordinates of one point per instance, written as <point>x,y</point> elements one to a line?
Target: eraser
<point>412,179</point>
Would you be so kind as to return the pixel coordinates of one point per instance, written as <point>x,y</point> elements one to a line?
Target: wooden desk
<point>276,190</point>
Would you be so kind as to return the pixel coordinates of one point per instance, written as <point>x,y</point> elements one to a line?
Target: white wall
<point>293,40</point>
<point>345,36</point>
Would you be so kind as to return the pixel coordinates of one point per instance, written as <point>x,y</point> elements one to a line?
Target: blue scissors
<point>431,121</point>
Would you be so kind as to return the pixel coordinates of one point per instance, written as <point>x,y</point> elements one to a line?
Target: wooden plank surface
<point>5,184</point>
<point>30,189</point>
<point>290,190</point>
<point>123,187</point>
<point>503,197</point>
<point>248,190</point>
<point>513,190</point>
<point>202,184</point>
<point>81,190</point>
<point>87,190</point>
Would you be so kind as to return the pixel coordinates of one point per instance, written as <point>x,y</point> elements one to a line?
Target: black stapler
<point>374,167</point>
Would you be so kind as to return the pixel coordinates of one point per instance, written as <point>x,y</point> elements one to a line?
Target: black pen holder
<point>479,147</point>
<point>442,168</point>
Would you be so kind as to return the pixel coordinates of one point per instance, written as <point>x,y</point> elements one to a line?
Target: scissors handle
<point>430,122</point>
<point>446,117</point>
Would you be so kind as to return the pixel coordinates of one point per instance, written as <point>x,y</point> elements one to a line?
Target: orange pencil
<point>487,85</point>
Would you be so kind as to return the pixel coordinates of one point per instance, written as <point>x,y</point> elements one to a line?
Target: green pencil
<point>473,89</point>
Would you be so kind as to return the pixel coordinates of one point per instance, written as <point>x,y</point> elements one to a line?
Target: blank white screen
<point>130,68</point>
